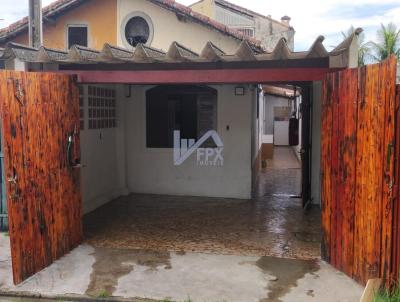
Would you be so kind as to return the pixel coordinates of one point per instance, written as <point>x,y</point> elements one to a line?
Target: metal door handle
<point>13,180</point>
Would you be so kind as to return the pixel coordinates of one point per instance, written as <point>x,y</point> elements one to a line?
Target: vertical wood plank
<point>395,253</point>
<point>347,151</point>
<point>326,193</point>
<point>334,170</point>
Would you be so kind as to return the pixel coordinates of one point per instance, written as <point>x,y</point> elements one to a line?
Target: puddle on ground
<point>111,264</point>
<point>287,273</point>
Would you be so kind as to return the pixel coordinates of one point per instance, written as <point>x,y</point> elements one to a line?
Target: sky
<point>310,18</point>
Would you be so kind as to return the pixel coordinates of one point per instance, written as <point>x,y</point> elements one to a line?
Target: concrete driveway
<point>198,249</point>
<point>102,272</point>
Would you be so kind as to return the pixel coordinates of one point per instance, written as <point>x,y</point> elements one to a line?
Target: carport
<point>49,209</point>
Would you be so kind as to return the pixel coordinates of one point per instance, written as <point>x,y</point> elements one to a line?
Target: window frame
<point>74,25</point>
<point>168,90</point>
<point>125,22</point>
<point>242,30</point>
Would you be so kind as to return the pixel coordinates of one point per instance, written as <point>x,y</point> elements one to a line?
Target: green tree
<point>388,42</point>
<point>364,49</point>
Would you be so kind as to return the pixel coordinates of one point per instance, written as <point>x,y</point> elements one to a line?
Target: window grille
<point>249,32</point>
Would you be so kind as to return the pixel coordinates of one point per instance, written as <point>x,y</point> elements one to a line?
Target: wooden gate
<point>40,130</point>
<point>357,162</point>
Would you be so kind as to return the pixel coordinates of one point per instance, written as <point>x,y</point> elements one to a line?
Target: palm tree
<point>364,48</point>
<point>388,38</point>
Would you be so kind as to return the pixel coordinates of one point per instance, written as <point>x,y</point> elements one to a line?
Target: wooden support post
<point>35,23</point>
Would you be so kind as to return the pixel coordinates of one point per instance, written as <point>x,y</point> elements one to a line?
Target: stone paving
<point>273,224</point>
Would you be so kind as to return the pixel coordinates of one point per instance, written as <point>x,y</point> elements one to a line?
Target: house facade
<point>118,154</point>
<point>125,23</point>
<point>250,23</point>
<point>146,101</point>
<point>126,138</point>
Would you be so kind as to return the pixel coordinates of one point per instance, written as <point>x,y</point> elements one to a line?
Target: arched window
<point>137,28</point>
<point>137,31</point>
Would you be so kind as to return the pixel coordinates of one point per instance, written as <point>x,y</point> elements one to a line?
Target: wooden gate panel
<point>358,169</point>
<point>346,176</point>
<point>334,169</point>
<point>39,113</point>
<point>388,92</point>
<point>395,263</point>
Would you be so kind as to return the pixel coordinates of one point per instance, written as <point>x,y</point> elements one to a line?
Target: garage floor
<point>273,224</point>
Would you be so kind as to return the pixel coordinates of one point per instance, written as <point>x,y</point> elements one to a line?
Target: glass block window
<point>81,108</point>
<point>102,107</point>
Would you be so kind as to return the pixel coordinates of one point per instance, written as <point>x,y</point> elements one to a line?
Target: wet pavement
<point>197,249</point>
<point>127,274</point>
<point>272,224</point>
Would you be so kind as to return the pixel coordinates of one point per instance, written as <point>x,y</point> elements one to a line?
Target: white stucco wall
<point>297,149</point>
<point>152,170</point>
<point>272,101</point>
<point>168,28</point>
<point>103,161</point>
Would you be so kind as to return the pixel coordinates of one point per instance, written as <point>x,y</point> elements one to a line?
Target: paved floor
<point>273,224</point>
<point>201,277</point>
<point>207,250</point>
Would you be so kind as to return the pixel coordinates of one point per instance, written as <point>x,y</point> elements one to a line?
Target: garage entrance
<point>116,160</point>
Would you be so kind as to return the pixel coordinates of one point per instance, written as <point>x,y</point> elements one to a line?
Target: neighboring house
<point>269,32</point>
<point>124,23</point>
<point>250,23</point>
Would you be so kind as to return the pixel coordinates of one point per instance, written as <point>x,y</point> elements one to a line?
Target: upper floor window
<point>77,35</point>
<point>249,32</point>
<point>137,31</point>
<point>137,28</point>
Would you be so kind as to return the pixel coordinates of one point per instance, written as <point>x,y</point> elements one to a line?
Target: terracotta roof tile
<point>60,5</point>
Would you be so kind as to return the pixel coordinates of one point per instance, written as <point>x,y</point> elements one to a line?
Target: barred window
<point>249,32</point>
<point>102,107</point>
